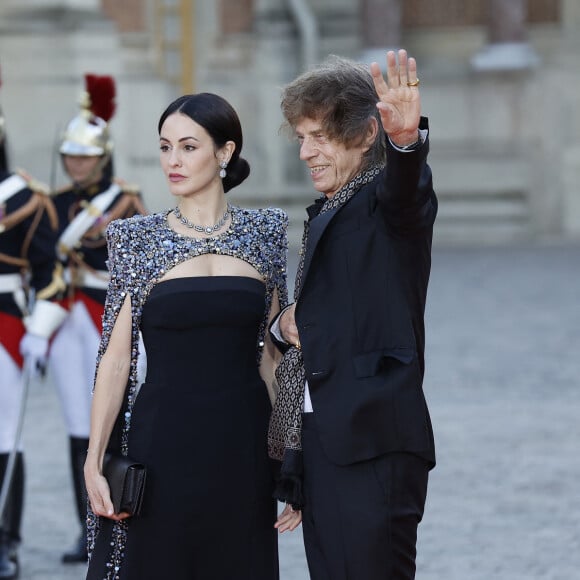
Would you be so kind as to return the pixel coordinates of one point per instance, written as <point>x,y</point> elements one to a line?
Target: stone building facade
<point>500,81</point>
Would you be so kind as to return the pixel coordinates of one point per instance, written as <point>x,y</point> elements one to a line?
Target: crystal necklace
<point>202,229</point>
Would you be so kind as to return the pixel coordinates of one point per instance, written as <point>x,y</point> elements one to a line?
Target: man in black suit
<point>351,424</point>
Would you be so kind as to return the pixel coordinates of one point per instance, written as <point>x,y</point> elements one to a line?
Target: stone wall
<point>505,143</point>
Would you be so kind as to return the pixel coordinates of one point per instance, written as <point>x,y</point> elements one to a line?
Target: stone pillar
<point>507,47</point>
<point>236,16</point>
<point>129,15</point>
<point>507,21</point>
<point>381,28</point>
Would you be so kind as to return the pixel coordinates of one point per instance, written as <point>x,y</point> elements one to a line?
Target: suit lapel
<point>315,231</point>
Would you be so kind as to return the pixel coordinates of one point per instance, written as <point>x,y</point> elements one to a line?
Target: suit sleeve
<point>405,195</point>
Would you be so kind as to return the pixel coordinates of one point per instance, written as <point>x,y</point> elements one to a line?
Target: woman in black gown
<point>202,296</point>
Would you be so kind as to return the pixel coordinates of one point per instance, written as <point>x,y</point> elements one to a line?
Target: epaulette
<point>131,188</point>
<point>33,184</point>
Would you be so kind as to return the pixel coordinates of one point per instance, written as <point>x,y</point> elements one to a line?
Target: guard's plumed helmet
<point>88,133</point>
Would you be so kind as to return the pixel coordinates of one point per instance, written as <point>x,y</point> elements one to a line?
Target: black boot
<point>8,568</point>
<point>12,518</point>
<point>78,454</point>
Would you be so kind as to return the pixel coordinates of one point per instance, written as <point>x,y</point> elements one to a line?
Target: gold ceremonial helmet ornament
<point>87,134</point>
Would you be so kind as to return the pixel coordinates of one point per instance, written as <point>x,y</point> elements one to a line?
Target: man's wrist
<point>407,141</point>
<point>422,137</point>
<point>275,329</point>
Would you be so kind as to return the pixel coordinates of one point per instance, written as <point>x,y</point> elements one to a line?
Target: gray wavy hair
<point>340,94</point>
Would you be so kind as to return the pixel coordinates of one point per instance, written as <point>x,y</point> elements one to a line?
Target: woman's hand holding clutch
<point>100,494</point>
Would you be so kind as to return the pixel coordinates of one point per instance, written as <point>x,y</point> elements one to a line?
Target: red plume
<point>101,90</point>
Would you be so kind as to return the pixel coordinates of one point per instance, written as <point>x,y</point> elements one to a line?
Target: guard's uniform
<point>84,210</point>
<point>28,231</point>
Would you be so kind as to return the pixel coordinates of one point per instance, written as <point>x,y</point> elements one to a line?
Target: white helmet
<point>88,132</point>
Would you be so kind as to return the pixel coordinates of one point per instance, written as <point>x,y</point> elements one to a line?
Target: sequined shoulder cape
<point>142,249</point>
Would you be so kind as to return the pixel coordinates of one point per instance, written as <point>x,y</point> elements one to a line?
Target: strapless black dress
<point>200,425</point>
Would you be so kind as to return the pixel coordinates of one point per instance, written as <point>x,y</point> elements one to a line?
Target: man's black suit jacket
<point>360,314</point>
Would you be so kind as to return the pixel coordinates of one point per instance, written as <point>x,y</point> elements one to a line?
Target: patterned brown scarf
<point>284,434</point>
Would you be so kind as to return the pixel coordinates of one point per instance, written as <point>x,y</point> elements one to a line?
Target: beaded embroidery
<point>141,250</point>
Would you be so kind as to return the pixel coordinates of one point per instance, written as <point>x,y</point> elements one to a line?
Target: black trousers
<point>360,521</point>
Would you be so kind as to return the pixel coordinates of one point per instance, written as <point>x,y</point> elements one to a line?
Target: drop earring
<point>223,165</point>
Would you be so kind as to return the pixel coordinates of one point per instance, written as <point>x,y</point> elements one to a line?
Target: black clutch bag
<point>126,479</point>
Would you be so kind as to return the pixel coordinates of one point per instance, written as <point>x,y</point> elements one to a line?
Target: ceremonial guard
<point>30,287</point>
<point>85,208</point>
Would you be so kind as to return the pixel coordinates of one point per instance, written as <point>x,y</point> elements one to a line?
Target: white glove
<point>35,349</point>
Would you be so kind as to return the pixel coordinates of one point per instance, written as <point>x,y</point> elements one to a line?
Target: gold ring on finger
<point>414,83</point>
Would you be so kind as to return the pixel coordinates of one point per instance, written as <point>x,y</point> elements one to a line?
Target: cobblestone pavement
<point>503,368</point>
<point>503,384</point>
